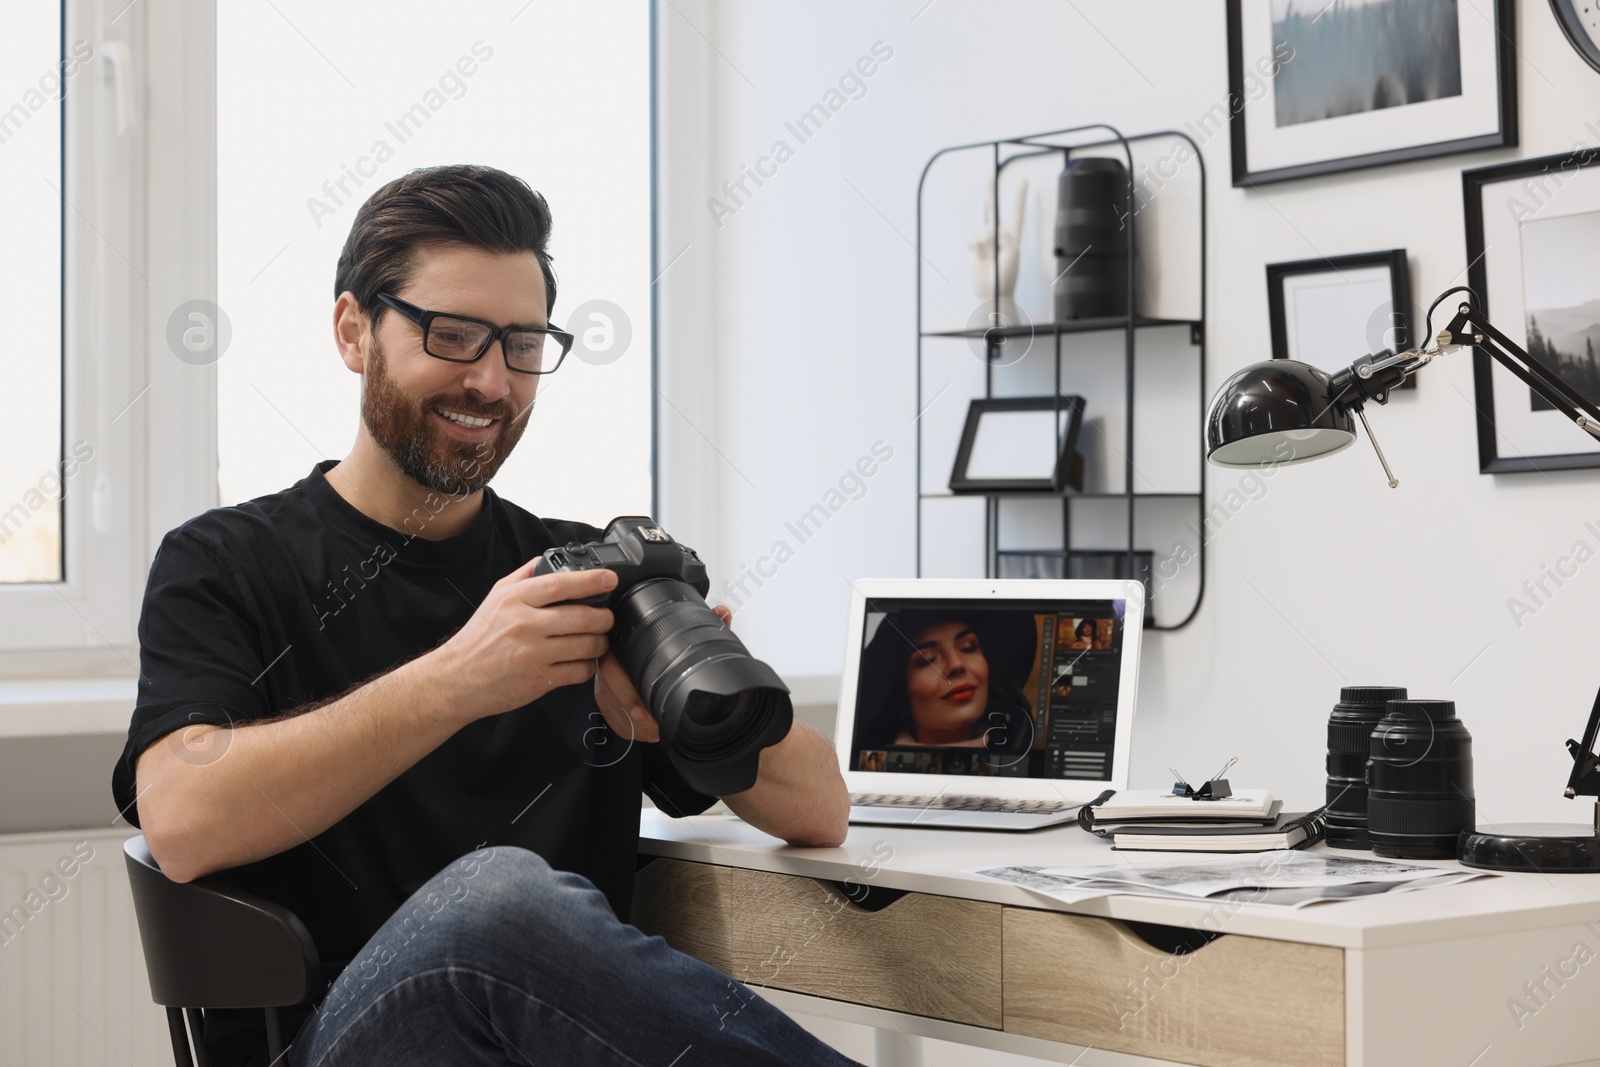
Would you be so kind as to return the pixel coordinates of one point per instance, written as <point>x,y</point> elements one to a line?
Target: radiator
<point>73,988</point>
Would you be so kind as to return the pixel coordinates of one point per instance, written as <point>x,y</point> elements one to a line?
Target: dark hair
<point>883,707</point>
<point>1078,632</point>
<point>460,204</point>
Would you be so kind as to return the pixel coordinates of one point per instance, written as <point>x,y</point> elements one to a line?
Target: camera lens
<point>1419,795</point>
<point>708,709</point>
<point>1349,744</point>
<point>717,706</point>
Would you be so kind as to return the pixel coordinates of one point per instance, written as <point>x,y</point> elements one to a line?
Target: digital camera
<point>717,706</point>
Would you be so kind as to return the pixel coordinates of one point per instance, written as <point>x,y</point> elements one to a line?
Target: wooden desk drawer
<point>1236,1002</point>
<point>926,955</point>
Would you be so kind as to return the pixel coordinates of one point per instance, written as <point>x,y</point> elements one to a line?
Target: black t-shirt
<point>255,610</point>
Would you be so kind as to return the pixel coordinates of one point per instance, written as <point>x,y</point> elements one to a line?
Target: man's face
<point>406,392</point>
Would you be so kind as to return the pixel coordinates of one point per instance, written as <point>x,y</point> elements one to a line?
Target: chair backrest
<point>209,945</point>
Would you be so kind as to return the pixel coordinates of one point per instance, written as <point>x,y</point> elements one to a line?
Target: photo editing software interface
<point>1016,689</point>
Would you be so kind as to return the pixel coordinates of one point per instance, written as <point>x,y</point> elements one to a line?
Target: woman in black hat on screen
<point>949,678</point>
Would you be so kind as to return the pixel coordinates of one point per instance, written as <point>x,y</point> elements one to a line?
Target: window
<point>196,180</point>
<point>86,91</point>
<point>34,60</point>
<point>321,104</point>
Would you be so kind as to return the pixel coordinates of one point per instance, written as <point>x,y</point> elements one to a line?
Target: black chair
<point>209,945</point>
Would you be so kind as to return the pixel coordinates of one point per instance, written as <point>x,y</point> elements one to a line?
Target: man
<point>357,701</point>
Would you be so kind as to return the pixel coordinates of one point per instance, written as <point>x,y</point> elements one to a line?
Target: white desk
<point>1428,977</point>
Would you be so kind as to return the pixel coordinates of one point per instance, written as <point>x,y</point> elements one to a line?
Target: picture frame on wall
<point>1322,88</point>
<point>1329,312</point>
<point>1533,227</point>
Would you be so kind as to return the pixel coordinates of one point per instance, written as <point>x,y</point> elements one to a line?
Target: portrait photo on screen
<point>948,678</point>
<point>1086,633</point>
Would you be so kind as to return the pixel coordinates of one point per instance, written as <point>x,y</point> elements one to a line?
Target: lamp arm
<point>1587,419</point>
<point>1534,372</point>
<point>1585,780</point>
<point>1542,379</point>
<point>1375,376</point>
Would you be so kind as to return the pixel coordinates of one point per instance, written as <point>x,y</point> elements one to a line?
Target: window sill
<point>66,707</point>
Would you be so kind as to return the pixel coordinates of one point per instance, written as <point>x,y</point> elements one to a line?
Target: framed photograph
<point>1020,444</point>
<point>1331,312</point>
<point>1323,86</point>
<point>1533,228</point>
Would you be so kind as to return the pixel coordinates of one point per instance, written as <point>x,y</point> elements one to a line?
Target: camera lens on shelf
<point>1092,234</point>
<point>1349,745</point>
<point>1419,785</point>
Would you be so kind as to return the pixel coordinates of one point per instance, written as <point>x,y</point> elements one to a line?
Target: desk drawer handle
<point>864,897</point>
<point>1173,940</point>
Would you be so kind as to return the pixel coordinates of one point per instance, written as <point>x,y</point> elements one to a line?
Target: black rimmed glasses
<point>458,339</point>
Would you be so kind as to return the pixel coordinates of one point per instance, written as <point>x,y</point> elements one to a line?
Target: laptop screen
<point>1017,689</point>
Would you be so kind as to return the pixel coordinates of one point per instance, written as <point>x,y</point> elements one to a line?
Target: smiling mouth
<point>960,692</point>
<point>470,422</point>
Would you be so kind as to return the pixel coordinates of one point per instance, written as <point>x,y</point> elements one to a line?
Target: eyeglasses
<point>458,339</point>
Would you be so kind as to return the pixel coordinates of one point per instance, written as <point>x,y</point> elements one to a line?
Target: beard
<point>423,451</point>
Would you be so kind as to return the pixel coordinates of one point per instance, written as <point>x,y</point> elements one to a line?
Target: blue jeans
<point>499,959</point>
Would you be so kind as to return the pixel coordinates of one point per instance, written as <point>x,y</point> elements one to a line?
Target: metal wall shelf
<point>1065,143</point>
<point>1038,495</point>
<point>1075,326</point>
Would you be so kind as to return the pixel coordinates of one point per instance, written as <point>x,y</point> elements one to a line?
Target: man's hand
<point>525,639</point>
<point>621,703</point>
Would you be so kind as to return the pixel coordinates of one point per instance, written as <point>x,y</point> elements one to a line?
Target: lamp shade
<point>1278,412</point>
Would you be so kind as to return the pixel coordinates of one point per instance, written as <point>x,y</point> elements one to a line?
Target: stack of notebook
<point>1251,820</point>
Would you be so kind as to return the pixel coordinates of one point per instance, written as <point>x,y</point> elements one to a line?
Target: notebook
<point>1132,804</point>
<point>1298,830</point>
<point>986,704</point>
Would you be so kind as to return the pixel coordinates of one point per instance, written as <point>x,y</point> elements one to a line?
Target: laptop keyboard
<point>959,803</point>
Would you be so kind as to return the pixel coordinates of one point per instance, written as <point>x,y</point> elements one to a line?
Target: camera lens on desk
<point>1349,744</point>
<point>1419,785</point>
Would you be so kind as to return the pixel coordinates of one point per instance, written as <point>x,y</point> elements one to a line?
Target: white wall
<point>1330,579</point>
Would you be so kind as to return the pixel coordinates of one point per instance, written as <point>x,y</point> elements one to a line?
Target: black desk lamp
<point>1279,412</point>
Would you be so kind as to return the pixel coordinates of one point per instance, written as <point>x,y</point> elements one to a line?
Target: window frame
<point>138,241</point>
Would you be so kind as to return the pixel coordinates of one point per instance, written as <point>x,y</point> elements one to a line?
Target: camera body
<point>638,550</point>
<point>716,705</point>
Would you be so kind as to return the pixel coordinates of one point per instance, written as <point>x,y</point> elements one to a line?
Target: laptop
<point>992,704</point>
